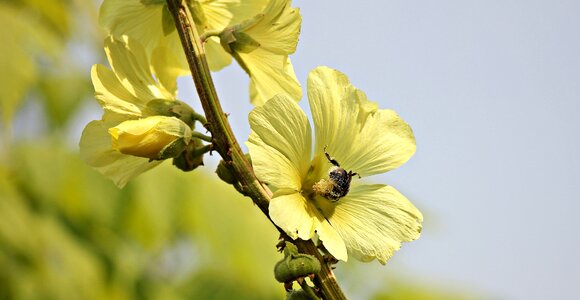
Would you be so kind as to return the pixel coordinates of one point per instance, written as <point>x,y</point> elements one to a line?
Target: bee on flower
<point>317,194</point>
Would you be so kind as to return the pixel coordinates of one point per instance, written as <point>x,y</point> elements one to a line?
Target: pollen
<point>323,187</point>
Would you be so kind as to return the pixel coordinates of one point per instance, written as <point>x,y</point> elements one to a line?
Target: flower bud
<point>225,174</point>
<point>295,265</point>
<point>156,137</point>
<point>191,158</point>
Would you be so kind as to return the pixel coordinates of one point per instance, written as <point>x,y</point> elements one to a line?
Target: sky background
<point>492,92</point>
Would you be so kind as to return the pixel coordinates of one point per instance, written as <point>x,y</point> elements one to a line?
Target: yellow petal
<point>217,57</point>
<point>221,13</point>
<point>111,94</point>
<point>280,143</point>
<point>334,110</point>
<point>131,65</point>
<point>373,220</point>
<point>294,215</point>
<point>384,143</point>
<point>96,150</point>
<point>167,66</point>
<point>270,74</point>
<point>278,29</point>
<point>359,136</point>
<point>142,22</point>
<point>145,23</point>
<point>218,15</point>
<point>332,241</point>
<point>261,46</point>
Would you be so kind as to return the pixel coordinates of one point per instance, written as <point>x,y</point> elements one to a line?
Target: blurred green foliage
<point>66,233</point>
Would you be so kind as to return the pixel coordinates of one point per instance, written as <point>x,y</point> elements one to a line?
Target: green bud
<point>225,174</point>
<point>295,265</point>
<point>192,157</point>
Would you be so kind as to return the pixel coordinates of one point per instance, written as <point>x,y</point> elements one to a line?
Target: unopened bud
<point>295,265</point>
<point>225,173</point>
<point>156,137</point>
<point>192,157</point>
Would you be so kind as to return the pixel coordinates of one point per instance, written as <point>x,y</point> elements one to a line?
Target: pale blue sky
<point>492,92</point>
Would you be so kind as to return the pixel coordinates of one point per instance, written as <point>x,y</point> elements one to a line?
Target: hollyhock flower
<point>318,194</point>
<point>143,123</point>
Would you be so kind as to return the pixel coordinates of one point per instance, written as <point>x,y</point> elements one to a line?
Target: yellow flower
<point>261,46</point>
<point>131,98</point>
<point>366,221</point>
<point>150,22</point>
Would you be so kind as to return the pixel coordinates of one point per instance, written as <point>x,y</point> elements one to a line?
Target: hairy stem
<point>225,143</point>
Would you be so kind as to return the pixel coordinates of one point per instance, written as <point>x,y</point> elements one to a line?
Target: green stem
<point>209,33</point>
<point>202,150</point>
<point>200,118</point>
<point>201,136</point>
<point>307,289</point>
<point>225,143</point>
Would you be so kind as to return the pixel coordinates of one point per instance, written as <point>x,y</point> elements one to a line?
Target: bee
<point>338,184</point>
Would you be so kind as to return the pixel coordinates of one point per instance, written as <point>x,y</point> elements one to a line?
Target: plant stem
<point>201,136</point>
<point>307,289</point>
<point>226,144</point>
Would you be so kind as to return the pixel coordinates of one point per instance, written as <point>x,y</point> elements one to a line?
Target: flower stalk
<point>225,143</point>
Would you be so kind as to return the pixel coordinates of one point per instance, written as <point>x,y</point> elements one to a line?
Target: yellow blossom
<point>261,46</point>
<point>150,22</point>
<point>131,98</point>
<point>366,221</point>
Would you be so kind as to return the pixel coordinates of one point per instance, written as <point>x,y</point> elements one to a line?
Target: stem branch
<point>226,144</point>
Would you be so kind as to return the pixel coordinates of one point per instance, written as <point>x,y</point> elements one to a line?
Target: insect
<point>339,179</point>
